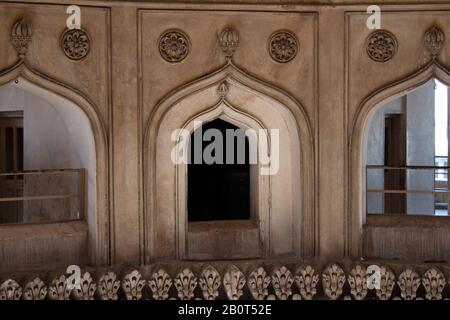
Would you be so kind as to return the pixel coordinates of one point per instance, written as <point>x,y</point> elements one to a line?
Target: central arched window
<point>218,173</point>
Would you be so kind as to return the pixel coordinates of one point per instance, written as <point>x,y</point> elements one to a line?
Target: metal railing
<point>43,185</point>
<point>439,187</point>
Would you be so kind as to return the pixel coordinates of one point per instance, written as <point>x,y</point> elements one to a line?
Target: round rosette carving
<point>75,43</point>
<point>283,46</point>
<point>381,46</point>
<point>174,46</point>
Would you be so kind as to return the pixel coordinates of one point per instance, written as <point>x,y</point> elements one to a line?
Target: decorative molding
<point>283,46</point>
<point>229,42</point>
<point>387,282</point>
<point>160,284</point>
<point>75,43</point>
<point>174,45</point>
<point>381,46</point>
<point>409,282</point>
<point>306,280</point>
<point>258,282</point>
<point>434,282</point>
<point>358,282</point>
<point>282,280</point>
<point>260,285</point>
<point>87,288</point>
<point>10,290</point>
<point>333,280</point>
<point>132,285</point>
<point>21,35</point>
<point>433,41</point>
<point>108,286</point>
<point>185,283</point>
<point>234,281</point>
<point>35,290</point>
<point>209,283</point>
<point>58,289</point>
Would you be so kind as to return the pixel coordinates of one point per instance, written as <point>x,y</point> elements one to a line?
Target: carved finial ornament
<point>21,36</point>
<point>229,42</point>
<point>222,89</point>
<point>433,41</point>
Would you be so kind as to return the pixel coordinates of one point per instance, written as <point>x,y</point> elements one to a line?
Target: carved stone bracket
<point>333,280</point>
<point>409,282</point>
<point>209,283</point>
<point>258,281</point>
<point>233,282</point>
<point>35,290</point>
<point>306,280</point>
<point>160,284</point>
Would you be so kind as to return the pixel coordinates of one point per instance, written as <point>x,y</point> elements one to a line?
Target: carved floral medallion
<point>174,46</point>
<point>283,46</point>
<point>381,46</point>
<point>75,43</point>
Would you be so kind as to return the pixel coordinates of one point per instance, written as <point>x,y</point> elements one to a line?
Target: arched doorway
<point>390,235</point>
<point>62,130</point>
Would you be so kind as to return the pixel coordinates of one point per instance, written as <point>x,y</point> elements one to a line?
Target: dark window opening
<point>395,156</point>
<point>11,160</point>
<point>218,191</point>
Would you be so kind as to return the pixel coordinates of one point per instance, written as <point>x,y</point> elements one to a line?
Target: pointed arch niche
<point>75,137</point>
<point>400,237</point>
<point>283,201</point>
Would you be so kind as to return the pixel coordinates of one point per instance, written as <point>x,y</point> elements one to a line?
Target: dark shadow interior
<point>219,191</point>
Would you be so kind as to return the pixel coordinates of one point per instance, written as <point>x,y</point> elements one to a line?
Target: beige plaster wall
<point>124,79</point>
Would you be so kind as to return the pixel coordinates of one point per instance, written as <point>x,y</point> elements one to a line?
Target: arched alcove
<point>358,140</point>
<point>62,129</point>
<point>284,200</point>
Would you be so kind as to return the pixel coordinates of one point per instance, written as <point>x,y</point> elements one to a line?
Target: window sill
<point>43,230</point>
<point>202,226</point>
<point>403,220</point>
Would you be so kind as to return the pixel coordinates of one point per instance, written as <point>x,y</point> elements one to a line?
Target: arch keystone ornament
<point>222,90</point>
<point>229,42</point>
<point>75,43</point>
<point>433,41</point>
<point>21,34</point>
<point>381,46</point>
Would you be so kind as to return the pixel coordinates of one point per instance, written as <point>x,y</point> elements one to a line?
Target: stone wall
<point>331,87</point>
